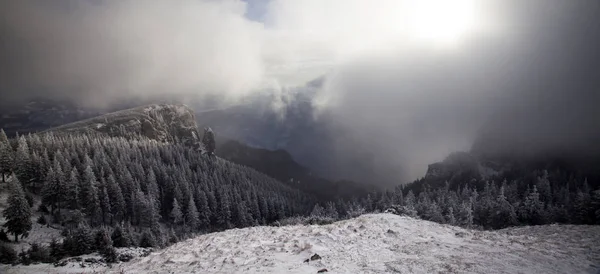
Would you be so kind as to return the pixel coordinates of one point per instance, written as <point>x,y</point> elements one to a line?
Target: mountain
<point>177,124</point>
<point>41,114</point>
<point>329,149</point>
<point>372,243</point>
<point>280,165</point>
<point>163,123</point>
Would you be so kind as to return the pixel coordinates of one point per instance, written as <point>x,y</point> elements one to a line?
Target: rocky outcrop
<point>163,123</point>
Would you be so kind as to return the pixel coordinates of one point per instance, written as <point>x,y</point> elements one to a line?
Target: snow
<point>381,243</point>
<point>374,243</point>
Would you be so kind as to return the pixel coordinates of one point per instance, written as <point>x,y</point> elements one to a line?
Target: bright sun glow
<point>442,21</point>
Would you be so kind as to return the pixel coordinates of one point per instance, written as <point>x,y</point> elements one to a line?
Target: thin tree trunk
<point>16,238</point>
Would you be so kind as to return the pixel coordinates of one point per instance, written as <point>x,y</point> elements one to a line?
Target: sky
<point>410,80</point>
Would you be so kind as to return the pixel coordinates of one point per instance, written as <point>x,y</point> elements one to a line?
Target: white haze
<point>412,81</point>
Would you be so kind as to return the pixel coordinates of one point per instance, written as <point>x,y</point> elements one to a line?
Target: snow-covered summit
<point>380,243</point>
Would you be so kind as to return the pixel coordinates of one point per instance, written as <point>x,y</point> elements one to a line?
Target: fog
<point>510,74</point>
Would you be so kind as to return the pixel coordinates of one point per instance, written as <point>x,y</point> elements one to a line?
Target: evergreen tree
<point>503,213</point>
<point>466,214</point>
<point>318,211</point>
<point>191,215</point>
<point>89,196</point>
<point>117,202</point>
<point>84,240</point>
<point>176,215</point>
<point>331,211</point>
<point>72,189</point>
<point>18,212</point>
<point>23,166</point>
<point>240,213</point>
<point>203,210</point>
<point>120,238</point>
<point>532,209</point>
<point>450,219</point>
<point>583,207</point>
<point>208,141</point>
<point>224,210</point>
<point>6,156</point>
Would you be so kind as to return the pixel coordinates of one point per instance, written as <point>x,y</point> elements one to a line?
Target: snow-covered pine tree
<point>191,215</point>
<point>18,212</point>
<point>331,211</point>
<point>502,213</point>
<point>208,141</point>
<point>176,215</point>
<point>318,211</point>
<point>89,196</point>
<point>6,156</point>
<point>117,203</point>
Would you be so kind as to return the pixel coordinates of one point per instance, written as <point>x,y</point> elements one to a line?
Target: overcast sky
<point>420,78</point>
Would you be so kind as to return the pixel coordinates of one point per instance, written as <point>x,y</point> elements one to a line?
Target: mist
<point>519,76</point>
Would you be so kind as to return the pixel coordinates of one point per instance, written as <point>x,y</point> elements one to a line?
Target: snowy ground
<point>375,243</point>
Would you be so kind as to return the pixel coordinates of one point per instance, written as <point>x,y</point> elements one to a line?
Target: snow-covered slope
<point>381,243</point>
<point>375,243</point>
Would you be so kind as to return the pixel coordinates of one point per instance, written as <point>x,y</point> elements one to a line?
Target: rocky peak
<point>162,122</point>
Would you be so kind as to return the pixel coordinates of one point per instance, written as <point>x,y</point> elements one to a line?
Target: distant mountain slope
<point>280,165</point>
<point>41,114</point>
<point>177,124</point>
<point>374,243</point>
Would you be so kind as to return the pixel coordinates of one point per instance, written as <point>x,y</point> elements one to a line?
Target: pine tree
<point>596,205</point>
<point>331,211</point>
<point>23,163</point>
<point>532,209</point>
<point>54,189</point>
<point>318,211</point>
<point>120,238</point>
<point>503,213</point>
<point>208,141</point>
<point>72,189</point>
<point>582,207</point>
<point>203,210</point>
<point>117,202</point>
<point>3,137</point>
<point>84,240</point>
<point>434,213</point>
<point>450,219</point>
<point>176,215</point>
<point>18,212</point>
<point>89,196</point>
<point>466,214</point>
<point>191,215</point>
<point>224,210</point>
<point>240,215</point>
<point>6,156</point>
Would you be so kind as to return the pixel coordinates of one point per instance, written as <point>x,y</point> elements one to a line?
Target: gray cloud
<point>523,73</point>
<point>105,50</point>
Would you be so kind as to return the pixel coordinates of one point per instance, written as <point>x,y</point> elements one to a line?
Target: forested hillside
<point>151,191</point>
<point>515,197</point>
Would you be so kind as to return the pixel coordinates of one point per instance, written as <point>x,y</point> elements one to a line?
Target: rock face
<point>163,123</point>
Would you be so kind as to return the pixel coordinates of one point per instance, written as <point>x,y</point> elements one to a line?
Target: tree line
<point>98,181</point>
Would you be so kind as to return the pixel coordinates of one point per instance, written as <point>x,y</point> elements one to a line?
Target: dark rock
<point>315,257</point>
<point>460,234</point>
<point>322,270</point>
<point>391,232</point>
<point>307,260</point>
<point>92,261</point>
<point>125,257</point>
